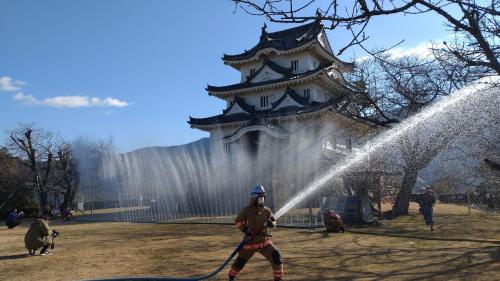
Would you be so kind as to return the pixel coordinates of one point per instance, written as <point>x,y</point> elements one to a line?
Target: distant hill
<point>202,144</point>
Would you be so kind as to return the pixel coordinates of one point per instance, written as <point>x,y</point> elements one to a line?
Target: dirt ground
<point>463,247</point>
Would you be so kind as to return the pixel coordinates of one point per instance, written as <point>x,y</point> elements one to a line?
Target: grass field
<point>463,247</point>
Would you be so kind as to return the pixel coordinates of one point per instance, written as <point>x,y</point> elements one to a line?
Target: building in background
<point>291,90</point>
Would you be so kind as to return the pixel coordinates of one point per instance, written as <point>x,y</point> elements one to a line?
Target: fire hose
<point>194,278</point>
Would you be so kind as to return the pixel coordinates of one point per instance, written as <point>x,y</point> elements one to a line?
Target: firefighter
<point>333,222</point>
<point>39,235</point>
<point>426,199</point>
<point>254,220</point>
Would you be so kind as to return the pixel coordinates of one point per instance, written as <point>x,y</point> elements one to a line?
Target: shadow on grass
<point>395,263</point>
<point>13,257</point>
<point>398,235</point>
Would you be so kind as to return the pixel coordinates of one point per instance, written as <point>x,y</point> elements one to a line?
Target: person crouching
<point>332,221</point>
<point>14,219</point>
<point>39,235</point>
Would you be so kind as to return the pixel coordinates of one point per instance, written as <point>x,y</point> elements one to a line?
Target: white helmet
<point>258,191</point>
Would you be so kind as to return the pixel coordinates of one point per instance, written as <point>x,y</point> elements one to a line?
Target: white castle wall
<point>306,60</point>
<point>345,130</point>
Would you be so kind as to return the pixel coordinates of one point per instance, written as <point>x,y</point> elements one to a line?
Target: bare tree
<point>446,185</point>
<point>9,186</point>
<point>475,24</point>
<point>418,152</point>
<point>68,173</point>
<point>35,147</point>
<point>395,88</point>
<point>14,191</point>
<point>486,173</point>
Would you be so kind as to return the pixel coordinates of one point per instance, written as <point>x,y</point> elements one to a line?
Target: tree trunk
<point>69,197</point>
<point>65,203</point>
<point>402,203</point>
<point>44,202</point>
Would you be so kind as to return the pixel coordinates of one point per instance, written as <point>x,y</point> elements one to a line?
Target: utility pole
<point>92,190</point>
<point>468,198</point>
<point>91,199</point>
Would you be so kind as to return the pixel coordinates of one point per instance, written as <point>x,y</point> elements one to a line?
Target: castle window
<point>264,101</point>
<point>307,93</point>
<point>252,71</point>
<point>295,65</point>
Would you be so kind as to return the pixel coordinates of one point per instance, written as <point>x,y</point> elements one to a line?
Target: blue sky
<point>134,71</point>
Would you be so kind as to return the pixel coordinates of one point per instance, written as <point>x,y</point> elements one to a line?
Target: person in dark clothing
<point>332,222</point>
<point>490,201</point>
<point>426,199</point>
<point>14,219</point>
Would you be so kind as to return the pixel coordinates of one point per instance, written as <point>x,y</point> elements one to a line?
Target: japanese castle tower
<point>289,76</point>
<point>291,84</point>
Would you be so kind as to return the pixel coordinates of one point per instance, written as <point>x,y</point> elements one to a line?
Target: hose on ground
<point>194,278</point>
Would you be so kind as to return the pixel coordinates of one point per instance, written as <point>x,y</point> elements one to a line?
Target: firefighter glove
<point>246,230</point>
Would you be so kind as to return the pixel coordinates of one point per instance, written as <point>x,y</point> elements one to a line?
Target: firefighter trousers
<point>269,251</point>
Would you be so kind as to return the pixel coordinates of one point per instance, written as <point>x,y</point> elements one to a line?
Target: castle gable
<point>266,73</point>
<point>239,106</point>
<point>290,99</point>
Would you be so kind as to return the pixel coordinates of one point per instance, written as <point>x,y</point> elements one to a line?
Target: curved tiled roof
<point>241,117</point>
<point>282,40</point>
<point>248,84</point>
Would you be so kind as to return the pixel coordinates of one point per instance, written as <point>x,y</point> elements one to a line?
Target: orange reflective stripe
<point>260,245</point>
<point>278,273</point>
<point>233,272</point>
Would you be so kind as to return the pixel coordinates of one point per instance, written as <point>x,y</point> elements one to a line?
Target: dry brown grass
<point>463,247</point>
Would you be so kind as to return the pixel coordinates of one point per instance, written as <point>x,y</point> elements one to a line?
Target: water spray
<point>385,138</point>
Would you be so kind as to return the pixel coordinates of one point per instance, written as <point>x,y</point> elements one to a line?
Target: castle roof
<point>249,84</point>
<point>288,41</point>
<point>282,40</point>
<point>270,114</point>
<point>326,74</point>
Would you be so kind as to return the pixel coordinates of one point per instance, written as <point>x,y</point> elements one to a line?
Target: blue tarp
<point>346,206</point>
